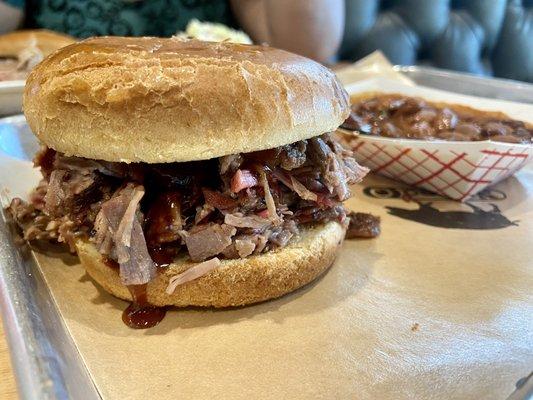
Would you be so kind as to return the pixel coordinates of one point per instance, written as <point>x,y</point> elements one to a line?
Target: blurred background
<point>483,37</point>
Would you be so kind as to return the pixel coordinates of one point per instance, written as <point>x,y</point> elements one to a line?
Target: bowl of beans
<point>454,150</point>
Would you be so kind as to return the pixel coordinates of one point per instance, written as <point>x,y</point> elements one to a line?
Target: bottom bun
<point>234,282</point>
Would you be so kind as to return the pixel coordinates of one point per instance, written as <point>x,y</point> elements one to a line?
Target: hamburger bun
<point>168,100</point>
<point>235,282</point>
<point>11,44</point>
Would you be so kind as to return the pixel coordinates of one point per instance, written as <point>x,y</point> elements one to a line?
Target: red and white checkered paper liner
<point>456,170</point>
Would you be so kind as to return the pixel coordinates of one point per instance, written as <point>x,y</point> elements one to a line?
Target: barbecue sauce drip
<point>110,263</point>
<point>163,255</point>
<point>164,222</point>
<point>140,314</point>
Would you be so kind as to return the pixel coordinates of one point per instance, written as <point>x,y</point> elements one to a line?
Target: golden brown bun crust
<point>167,100</point>
<point>11,44</point>
<point>235,282</point>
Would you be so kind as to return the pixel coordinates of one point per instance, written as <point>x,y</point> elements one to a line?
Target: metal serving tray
<point>503,89</point>
<point>46,362</point>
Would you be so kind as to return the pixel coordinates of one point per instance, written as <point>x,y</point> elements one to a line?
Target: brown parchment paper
<point>372,66</point>
<point>420,312</point>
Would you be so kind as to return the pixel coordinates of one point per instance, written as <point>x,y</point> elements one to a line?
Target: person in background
<point>312,28</point>
<point>11,15</point>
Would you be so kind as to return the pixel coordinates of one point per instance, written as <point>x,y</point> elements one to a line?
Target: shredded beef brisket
<point>363,225</point>
<point>119,235</point>
<point>234,206</point>
<point>209,240</point>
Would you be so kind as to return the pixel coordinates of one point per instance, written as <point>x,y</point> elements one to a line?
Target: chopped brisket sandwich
<point>20,51</point>
<point>186,172</point>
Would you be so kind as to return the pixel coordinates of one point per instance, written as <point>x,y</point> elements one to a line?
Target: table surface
<point>8,388</point>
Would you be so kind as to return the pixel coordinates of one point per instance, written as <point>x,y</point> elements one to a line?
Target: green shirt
<point>84,18</point>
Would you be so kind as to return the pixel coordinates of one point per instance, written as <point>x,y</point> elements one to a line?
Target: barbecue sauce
<point>110,263</point>
<point>162,255</point>
<point>164,222</point>
<point>140,314</point>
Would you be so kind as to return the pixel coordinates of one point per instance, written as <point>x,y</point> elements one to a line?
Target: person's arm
<point>10,17</point>
<point>312,28</point>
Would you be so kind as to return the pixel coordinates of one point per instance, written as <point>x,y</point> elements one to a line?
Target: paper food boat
<point>11,97</point>
<point>452,169</point>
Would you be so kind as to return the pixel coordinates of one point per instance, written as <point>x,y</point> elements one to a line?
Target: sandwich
<point>189,173</point>
<point>20,51</point>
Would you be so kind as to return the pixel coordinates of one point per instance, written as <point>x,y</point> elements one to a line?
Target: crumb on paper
<point>415,327</point>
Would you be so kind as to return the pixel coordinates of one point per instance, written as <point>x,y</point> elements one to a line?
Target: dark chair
<point>484,37</point>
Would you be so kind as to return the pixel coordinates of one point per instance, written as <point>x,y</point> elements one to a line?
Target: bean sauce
<point>400,116</point>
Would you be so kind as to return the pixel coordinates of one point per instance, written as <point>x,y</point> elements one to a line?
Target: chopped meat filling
<point>363,225</point>
<point>208,241</point>
<point>143,215</point>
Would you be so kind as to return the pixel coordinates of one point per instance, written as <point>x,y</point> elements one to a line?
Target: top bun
<point>11,44</point>
<point>169,100</point>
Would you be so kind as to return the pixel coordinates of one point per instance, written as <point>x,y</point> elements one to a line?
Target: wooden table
<point>8,388</point>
